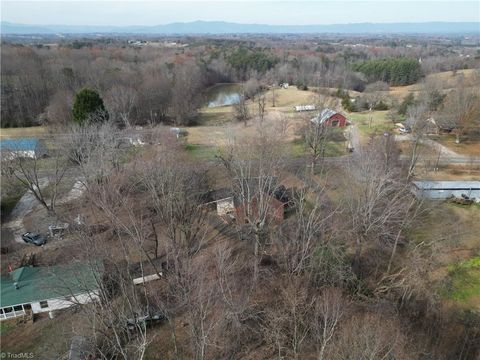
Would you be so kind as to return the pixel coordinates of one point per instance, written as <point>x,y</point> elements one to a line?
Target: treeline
<point>244,60</point>
<point>166,85</point>
<point>39,84</point>
<point>397,72</point>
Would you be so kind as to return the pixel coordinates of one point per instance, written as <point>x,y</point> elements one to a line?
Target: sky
<point>122,13</point>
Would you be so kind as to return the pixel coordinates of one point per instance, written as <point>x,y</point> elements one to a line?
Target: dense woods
<point>156,83</point>
<point>396,72</point>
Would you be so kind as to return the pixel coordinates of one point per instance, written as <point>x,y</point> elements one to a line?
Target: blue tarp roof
<point>23,144</point>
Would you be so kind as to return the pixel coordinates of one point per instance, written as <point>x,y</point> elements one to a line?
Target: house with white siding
<point>35,290</point>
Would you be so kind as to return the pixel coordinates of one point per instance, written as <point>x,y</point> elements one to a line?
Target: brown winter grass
<point>452,232</point>
<point>45,338</point>
<point>6,133</point>
<point>450,172</point>
<point>447,80</point>
<point>378,125</point>
<point>285,100</point>
<point>466,147</point>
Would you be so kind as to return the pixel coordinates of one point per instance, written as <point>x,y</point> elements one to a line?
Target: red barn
<point>330,117</point>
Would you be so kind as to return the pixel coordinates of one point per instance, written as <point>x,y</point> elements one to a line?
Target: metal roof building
<point>44,289</point>
<point>441,190</point>
<point>23,147</point>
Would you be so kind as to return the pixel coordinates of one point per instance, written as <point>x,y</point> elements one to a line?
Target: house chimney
<point>15,284</point>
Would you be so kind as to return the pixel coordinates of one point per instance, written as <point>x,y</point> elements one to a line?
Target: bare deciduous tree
<point>378,200</point>
<point>254,166</point>
<point>120,101</point>
<point>240,110</point>
<point>329,309</point>
<point>95,148</point>
<point>418,123</point>
<point>261,104</point>
<point>370,337</point>
<point>40,176</point>
<point>462,109</point>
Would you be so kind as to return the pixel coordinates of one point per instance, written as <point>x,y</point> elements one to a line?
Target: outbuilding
<point>329,117</point>
<point>24,147</point>
<point>442,190</point>
<point>302,108</point>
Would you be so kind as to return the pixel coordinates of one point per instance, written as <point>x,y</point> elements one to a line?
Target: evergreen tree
<point>409,100</point>
<point>87,103</point>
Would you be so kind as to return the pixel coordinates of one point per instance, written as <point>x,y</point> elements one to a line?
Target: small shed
<point>147,271</point>
<point>222,199</point>
<point>442,190</point>
<point>302,108</point>
<point>329,117</point>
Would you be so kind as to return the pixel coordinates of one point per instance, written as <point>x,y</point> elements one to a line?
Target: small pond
<point>223,95</point>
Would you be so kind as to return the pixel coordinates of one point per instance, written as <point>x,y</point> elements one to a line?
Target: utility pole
<point>273,95</point>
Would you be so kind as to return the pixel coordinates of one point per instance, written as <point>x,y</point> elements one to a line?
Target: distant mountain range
<point>220,27</point>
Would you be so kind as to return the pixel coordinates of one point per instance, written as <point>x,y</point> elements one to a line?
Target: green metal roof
<point>35,284</point>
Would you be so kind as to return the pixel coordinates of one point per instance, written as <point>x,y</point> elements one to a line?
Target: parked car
<point>146,320</point>
<point>34,238</point>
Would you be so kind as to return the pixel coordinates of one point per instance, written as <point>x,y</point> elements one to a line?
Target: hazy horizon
<point>129,13</point>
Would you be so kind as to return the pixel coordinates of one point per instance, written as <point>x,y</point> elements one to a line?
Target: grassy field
<point>467,147</point>
<point>445,80</point>
<point>44,339</point>
<point>201,152</point>
<point>22,132</point>
<point>377,126</point>
<point>298,148</point>
<point>463,282</point>
<point>453,232</point>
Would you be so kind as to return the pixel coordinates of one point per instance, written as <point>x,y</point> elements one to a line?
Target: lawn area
<point>298,148</point>
<point>32,131</point>
<point>466,147</point>
<point>215,116</point>
<point>288,98</point>
<point>463,282</point>
<point>285,100</point>
<point>457,250</point>
<point>447,79</point>
<point>201,152</point>
<point>6,326</point>
<point>379,123</point>
<point>44,339</point>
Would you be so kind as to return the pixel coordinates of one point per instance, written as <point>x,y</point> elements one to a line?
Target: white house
<point>45,289</point>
